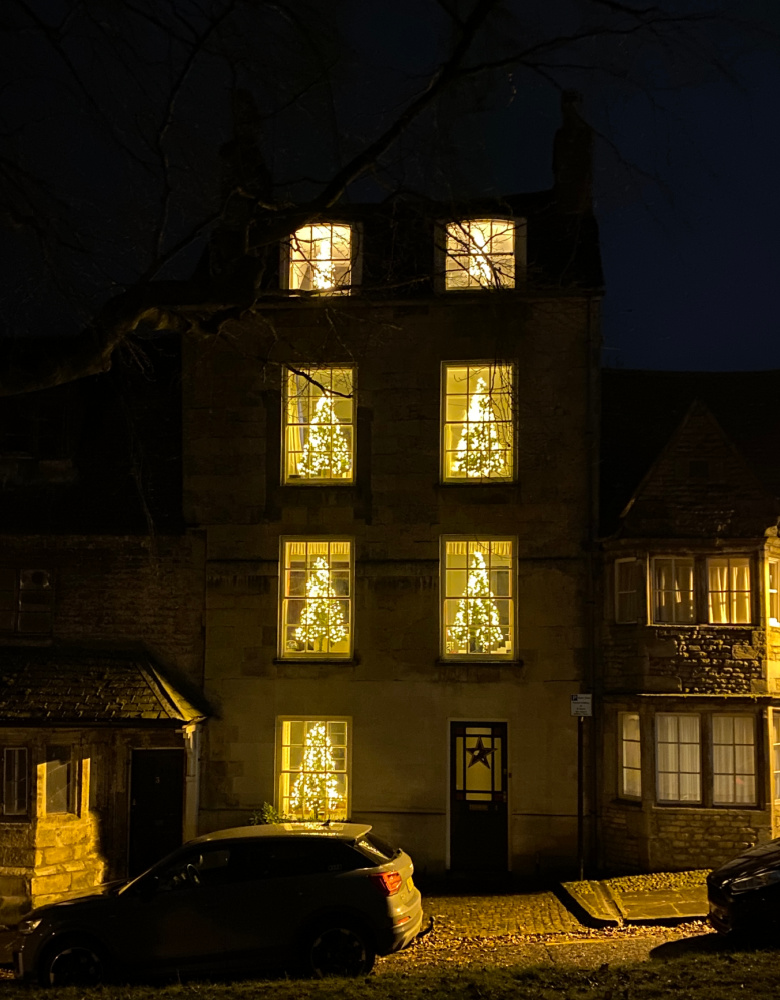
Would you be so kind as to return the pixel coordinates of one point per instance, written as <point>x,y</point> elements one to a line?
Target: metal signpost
<point>581,708</point>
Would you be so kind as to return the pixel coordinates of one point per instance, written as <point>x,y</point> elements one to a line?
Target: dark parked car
<point>320,899</point>
<point>744,894</point>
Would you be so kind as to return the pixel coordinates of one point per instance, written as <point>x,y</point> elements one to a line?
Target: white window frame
<point>773,592</point>
<point>775,754</point>
<point>283,772</point>
<point>335,378</point>
<point>293,255</point>
<point>732,592</point>
<point>27,600</point>
<point>627,596</point>
<point>16,782</point>
<point>629,750</point>
<point>742,765</point>
<point>464,268</point>
<point>287,627</point>
<point>678,771</point>
<point>499,378</point>
<point>653,590</point>
<point>450,602</point>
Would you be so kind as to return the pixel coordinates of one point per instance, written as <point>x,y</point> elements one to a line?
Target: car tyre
<point>338,948</point>
<point>72,963</point>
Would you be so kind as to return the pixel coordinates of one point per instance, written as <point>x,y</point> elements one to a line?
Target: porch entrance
<point>478,797</point>
<point>156,806</point>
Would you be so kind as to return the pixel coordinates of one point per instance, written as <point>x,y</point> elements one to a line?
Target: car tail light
<point>388,883</point>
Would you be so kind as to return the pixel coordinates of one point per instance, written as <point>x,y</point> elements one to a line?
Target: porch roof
<point>53,686</point>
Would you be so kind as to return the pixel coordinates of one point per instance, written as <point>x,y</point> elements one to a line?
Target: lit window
<point>627,590</point>
<point>317,599</point>
<point>319,440</point>
<point>478,598</point>
<point>314,769</point>
<point>60,783</point>
<point>773,580</point>
<point>26,601</point>
<point>673,590</point>
<point>478,425</point>
<point>480,253</point>
<point>776,753</point>
<point>630,756</point>
<point>321,259</point>
<point>733,760</point>
<point>728,588</point>
<point>16,782</point>
<point>678,758</point>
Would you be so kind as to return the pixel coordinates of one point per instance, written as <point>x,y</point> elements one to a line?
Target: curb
<point>591,903</point>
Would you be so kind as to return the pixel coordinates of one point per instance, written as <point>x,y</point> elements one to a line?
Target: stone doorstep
<point>600,906</point>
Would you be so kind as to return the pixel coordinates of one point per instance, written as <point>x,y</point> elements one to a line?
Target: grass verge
<point>698,976</point>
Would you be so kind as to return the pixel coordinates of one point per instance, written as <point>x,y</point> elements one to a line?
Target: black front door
<point>478,799</point>
<point>156,806</point>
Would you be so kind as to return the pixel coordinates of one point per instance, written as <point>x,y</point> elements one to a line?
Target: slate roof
<point>51,686</point>
<point>641,410</point>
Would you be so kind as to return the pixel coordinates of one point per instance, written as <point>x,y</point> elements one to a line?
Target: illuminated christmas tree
<point>322,616</point>
<point>315,792</point>
<point>326,451</point>
<point>480,452</point>
<point>477,623</point>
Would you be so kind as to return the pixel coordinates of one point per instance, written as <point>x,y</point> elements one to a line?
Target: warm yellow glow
<point>316,607</point>
<point>322,617</point>
<point>478,604</point>
<point>478,424</point>
<point>321,258</point>
<point>313,779</point>
<point>480,253</point>
<point>315,793</point>
<point>319,417</point>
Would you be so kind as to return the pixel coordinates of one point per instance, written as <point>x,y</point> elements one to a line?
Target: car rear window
<point>378,850</point>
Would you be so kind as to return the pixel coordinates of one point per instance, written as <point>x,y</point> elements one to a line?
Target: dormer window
<point>480,253</point>
<point>320,259</point>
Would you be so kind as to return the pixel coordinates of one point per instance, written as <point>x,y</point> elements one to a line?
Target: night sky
<point>686,168</point>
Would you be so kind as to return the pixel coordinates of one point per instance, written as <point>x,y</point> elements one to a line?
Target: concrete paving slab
<point>667,897</point>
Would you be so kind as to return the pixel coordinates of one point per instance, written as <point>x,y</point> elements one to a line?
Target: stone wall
<point>690,659</point>
<point>681,839</point>
<point>396,690</point>
<point>68,856</point>
<point>122,590</point>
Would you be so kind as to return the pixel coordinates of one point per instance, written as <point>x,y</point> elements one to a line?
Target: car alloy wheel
<point>339,950</point>
<point>72,965</point>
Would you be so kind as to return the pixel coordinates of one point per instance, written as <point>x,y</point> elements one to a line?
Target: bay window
<point>673,589</point>
<point>728,590</point>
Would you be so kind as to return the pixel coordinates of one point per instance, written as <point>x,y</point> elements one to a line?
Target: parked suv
<point>744,893</point>
<point>322,899</point>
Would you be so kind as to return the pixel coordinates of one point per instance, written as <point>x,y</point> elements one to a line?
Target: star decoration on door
<point>480,754</point>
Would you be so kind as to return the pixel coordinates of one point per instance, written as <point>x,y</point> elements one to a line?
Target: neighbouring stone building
<point>100,649</point>
<point>689,668</point>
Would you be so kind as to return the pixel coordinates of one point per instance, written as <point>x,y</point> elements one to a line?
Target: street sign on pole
<point>582,704</point>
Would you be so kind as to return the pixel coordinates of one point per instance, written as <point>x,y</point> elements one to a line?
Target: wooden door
<point>478,797</point>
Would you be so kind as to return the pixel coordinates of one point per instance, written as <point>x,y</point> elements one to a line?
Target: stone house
<point>689,678</point>
<point>100,652</point>
<point>391,460</point>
